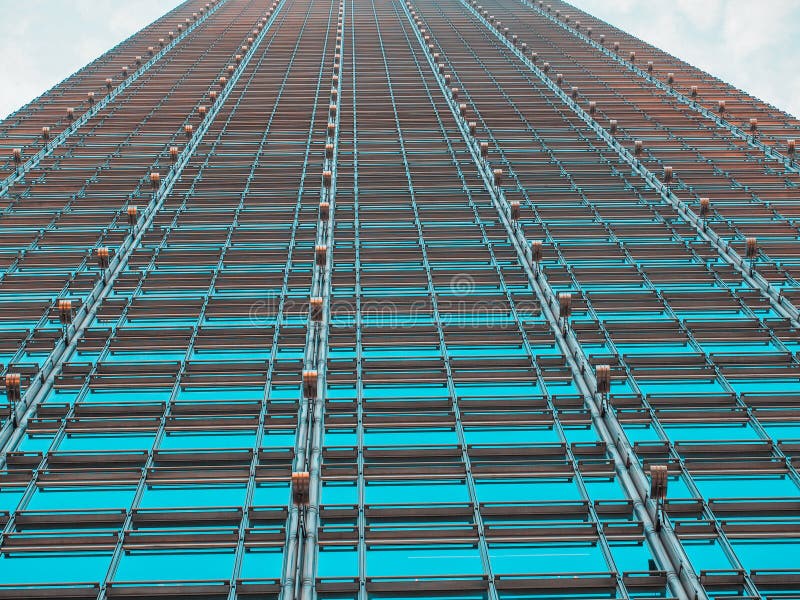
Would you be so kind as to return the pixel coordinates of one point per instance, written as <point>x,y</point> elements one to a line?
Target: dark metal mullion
<point>573,352</point>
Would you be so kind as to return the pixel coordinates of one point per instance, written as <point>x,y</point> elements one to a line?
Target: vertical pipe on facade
<point>233,592</point>
<point>83,317</point>
<point>61,138</point>
<point>326,235</point>
<point>751,140</point>
<point>310,421</point>
<point>682,582</point>
<point>780,303</point>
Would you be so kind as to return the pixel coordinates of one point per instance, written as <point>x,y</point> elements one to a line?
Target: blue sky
<point>748,43</point>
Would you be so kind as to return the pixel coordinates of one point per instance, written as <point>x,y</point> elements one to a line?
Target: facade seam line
<point>300,569</point>
<point>43,382</point>
<point>680,576</point>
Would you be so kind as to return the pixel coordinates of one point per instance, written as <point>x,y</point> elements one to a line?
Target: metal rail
<point>317,341</point>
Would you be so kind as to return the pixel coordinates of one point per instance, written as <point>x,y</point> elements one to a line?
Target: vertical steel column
<point>301,557</point>
<point>680,576</point>
<point>292,246</point>
<point>492,593</point>
<point>359,324</point>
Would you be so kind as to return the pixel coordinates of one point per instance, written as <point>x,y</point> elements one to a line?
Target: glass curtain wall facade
<point>355,299</point>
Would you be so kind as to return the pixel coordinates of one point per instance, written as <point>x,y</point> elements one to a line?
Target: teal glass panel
<point>10,497</point>
<point>510,435</point>
<point>35,443</point>
<point>449,559</point>
<point>566,557</point>
<point>207,439</point>
<point>676,386</point>
<point>174,565</point>
<point>337,561</point>
<point>767,554</point>
<point>279,438</point>
<point>341,437</point>
<point>94,442</point>
<point>779,386</point>
<point>336,492</point>
<point>169,496</point>
<point>678,488</point>
<point>81,498</point>
<point>782,431</point>
<point>631,556</point>
<point>710,432</point>
<point>706,555</point>
<point>580,434</point>
<point>604,488</point>
<point>416,492</point>
<point>410,436</point>
<point>198,394</point>
<point>261,563</point>
<point>640,433</point>
<point>756,486</point>
<point>526,490</point>
<point>124,395</point>
<point>271,494</point>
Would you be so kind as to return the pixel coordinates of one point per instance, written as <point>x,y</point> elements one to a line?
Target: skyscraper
<point>367,299</point>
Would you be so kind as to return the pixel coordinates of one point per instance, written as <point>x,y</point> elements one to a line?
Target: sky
<point>748,43</point>
<point>44,41</point>
<point>751,44</point>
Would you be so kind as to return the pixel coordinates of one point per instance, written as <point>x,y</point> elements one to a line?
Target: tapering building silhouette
<point>376,299</point>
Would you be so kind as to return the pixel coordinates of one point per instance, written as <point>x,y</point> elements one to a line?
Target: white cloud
<point>44,41</point>
<point>751,45</point>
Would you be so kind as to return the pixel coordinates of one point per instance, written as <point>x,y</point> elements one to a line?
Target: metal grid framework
<point>397,299</point>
